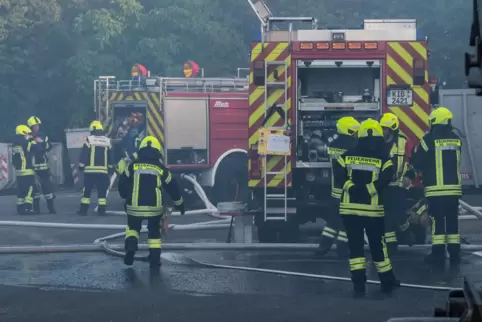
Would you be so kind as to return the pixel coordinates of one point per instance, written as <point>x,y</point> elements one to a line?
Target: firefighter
<point>41,167</point>
<point>23,150</point>
<point>347,127</point>
<point>367,170</point>
<point>96,163</point>
<point>438,159</point>
<point>395,195</point>
<point>141,185</point>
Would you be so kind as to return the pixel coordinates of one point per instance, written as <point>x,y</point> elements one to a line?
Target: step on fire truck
<point>301,82</point>
<point>200,122</point>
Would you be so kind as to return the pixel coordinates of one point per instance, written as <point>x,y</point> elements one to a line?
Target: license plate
<point>400,97</point>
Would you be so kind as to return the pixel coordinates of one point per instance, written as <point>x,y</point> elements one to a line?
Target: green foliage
<point>52,50</point>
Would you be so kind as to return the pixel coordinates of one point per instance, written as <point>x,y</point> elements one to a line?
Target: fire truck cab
<point>302,81</point>
<point>200,123</point>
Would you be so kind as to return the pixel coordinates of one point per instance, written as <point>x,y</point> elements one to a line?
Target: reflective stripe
<point>391,237</point>
<point>336,192</point>
<point>178,202</point>
<point>154,243</point>
<point>20,201</point>
<point>29,199</point>
<point>342,237</point>
<point>443,190</point>
<point>329,232</point>
<point>357,209</point>
<point>373,193</point>
<point>384,266</point>
<point>102,201</point>
<point>26,172</point>
<point>131,233</point>
<point>85,201</point>
<point>453,239</point>
<point>47,196</point>
<point>143,211</point>
<point>358,263</point>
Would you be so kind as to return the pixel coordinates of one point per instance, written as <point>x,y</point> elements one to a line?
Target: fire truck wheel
<point>231,183</point>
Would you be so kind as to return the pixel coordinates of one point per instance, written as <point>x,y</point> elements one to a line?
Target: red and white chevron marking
<point>3,168</point>
<point>75,173</point>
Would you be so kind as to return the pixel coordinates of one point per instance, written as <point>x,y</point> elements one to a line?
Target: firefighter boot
<point>50,206</point>
<point>359,280</point>
<point>24,209</point>
<point>388,281</point>
<point>454,252</point>
<point>324,246</point>
<point>154,258</point>
<point>36,205</point>
<point>436,257</point>
<point>342,250</point>
<point>83,209</point>
<point>101,210</point>
<point>130,246</point>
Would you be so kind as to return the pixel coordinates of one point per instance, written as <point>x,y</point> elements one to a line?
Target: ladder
<point>276,84</point>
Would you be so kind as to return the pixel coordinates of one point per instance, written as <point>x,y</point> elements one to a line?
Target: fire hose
<point>101,244</point>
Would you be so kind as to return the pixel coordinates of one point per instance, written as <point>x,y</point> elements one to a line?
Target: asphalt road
<point>98,287</point>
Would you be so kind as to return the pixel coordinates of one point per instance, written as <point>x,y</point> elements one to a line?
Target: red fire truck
<point>200,122</point>
<point>302,81</point>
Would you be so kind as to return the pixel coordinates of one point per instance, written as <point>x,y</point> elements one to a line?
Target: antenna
<point>261,10</point>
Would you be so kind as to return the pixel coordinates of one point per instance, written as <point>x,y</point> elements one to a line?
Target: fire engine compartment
<point>326,91</point>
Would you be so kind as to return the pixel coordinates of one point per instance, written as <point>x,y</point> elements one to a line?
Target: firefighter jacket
<point>96,155</point>
<point>366,170</point>
<point>23,151</point>
<point>339,146</point>
<point>397,153</point>
<point>438,158</point>
<point>40,159</point>
<point>142,184</point>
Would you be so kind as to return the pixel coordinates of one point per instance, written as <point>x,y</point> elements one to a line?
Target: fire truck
<point>200,122</point>
<point>302,80</point>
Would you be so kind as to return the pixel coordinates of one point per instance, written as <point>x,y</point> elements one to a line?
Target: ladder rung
<point>276,62</point>
<point>275,172</point>
<point>276,83</point>
<point>275,218</point>
<point>276,196</point>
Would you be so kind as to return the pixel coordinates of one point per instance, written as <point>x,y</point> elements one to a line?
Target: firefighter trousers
<point>334,228</point>
<point>374,228</point>
<point>100,181</point>
<point>25,193</point>
<point>134,224</point>
<point>445,226</point>
<point>46,187</point>
<point>394,204</point>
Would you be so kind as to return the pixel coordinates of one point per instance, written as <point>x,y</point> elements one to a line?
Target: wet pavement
<point>98,287</point>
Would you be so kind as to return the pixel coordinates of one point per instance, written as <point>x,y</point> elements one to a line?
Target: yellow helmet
<point>440,115</point>
<point>150,141</point>
<point>390,121</point>
<point>23,130</point>
<point>370,127</point>
<point>33,120</point>
<point>95,126</point>
<point>347,125</point>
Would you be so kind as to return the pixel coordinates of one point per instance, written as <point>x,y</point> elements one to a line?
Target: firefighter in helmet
<point>23,150</point>
<point>96,162</point>
<point>367,170</point>
<point>395,194</point>
<point>41,166</point>
<point>347,128</point>
<point>437,157</point>
<point>142,185</point>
